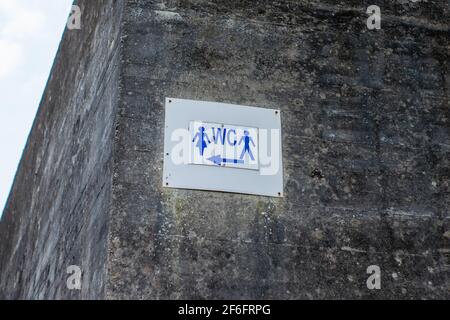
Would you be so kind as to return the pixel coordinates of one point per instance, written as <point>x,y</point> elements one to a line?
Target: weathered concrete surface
<point>56,215</point>
<point>365,117</point>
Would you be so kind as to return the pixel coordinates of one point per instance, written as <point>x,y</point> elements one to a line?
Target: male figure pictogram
<point>247,139</point>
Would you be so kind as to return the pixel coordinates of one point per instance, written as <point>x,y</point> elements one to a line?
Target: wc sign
<point>225,145</point>
<point>214,146</point>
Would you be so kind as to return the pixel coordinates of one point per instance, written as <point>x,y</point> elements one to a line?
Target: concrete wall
<point>56,215</point>
<point>365,140</point>
<point>365,117</point>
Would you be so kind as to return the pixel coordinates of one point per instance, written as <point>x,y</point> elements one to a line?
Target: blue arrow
<point>219,160</point>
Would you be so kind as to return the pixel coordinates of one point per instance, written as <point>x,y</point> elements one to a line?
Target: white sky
<point>30,31</point>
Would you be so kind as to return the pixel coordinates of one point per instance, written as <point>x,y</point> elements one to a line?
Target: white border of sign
<point>180,112</point>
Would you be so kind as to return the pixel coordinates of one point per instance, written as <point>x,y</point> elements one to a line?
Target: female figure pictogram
<point>201,143</point>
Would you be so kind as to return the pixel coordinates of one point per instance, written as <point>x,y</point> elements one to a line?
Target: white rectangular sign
<point>226,145</point>
<point>222,147</point>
